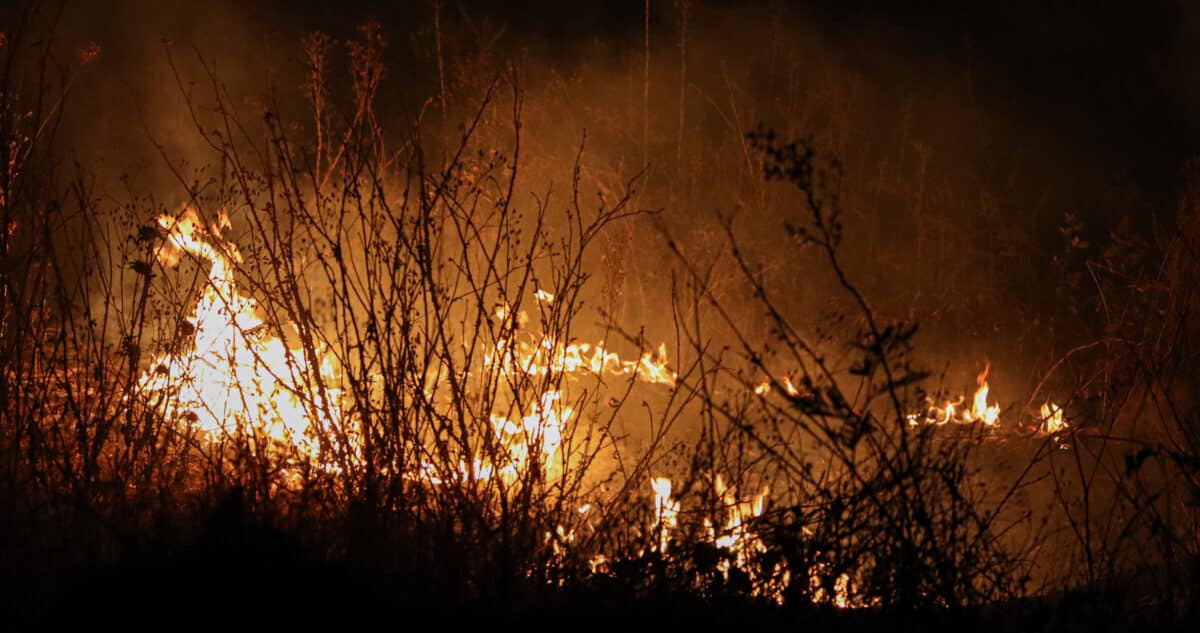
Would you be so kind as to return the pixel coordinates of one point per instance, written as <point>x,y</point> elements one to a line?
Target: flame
<point>737,537</point>
<point>598,564</point>
<point>232,377</point>
<point>840,597</point>
<point>546,356</point>
<point>542,428</point>
<point>764,387</point>
<point>534,356</point>
<point>1052,419</point>
<point>989,414</point>
<point>957,411</point>
<point>666,511</point>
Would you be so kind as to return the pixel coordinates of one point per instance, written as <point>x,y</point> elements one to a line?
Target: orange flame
<point>1052,419</point>
<point>955,410</point>
<point>981,411</point>
<point>231,378</point>
<point>666,511</point>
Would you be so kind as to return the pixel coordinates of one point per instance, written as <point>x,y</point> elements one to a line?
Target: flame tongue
<point>980,409</point>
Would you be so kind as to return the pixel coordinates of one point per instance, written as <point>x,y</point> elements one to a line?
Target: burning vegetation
<point>415,352</point>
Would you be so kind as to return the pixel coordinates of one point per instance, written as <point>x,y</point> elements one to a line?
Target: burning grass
<point>390,358</point>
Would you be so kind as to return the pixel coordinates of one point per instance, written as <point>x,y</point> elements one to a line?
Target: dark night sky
<point>1108,79</point>
<point>1113,86</point>
<point>1115,81</point>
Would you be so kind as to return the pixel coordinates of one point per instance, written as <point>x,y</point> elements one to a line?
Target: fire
<point>736,535</point>
<point>1052,419</point>
<point>666,511</point>
<point>541,429</point>
<point>598,564</point>
<point>232,377</point>
<point>544,427</point>
<point>981,411</point>
<point>738,538</point>
<point>978,410</point>
<point>764,387</point>
<point>839,597</point>
<point>957,411</point>
<point>546,355</point>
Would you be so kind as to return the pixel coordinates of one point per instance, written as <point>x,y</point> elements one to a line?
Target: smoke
<point>127,110</point>
<point>964,137</point>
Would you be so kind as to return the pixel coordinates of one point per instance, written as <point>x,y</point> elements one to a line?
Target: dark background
<point>1109,90</point>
